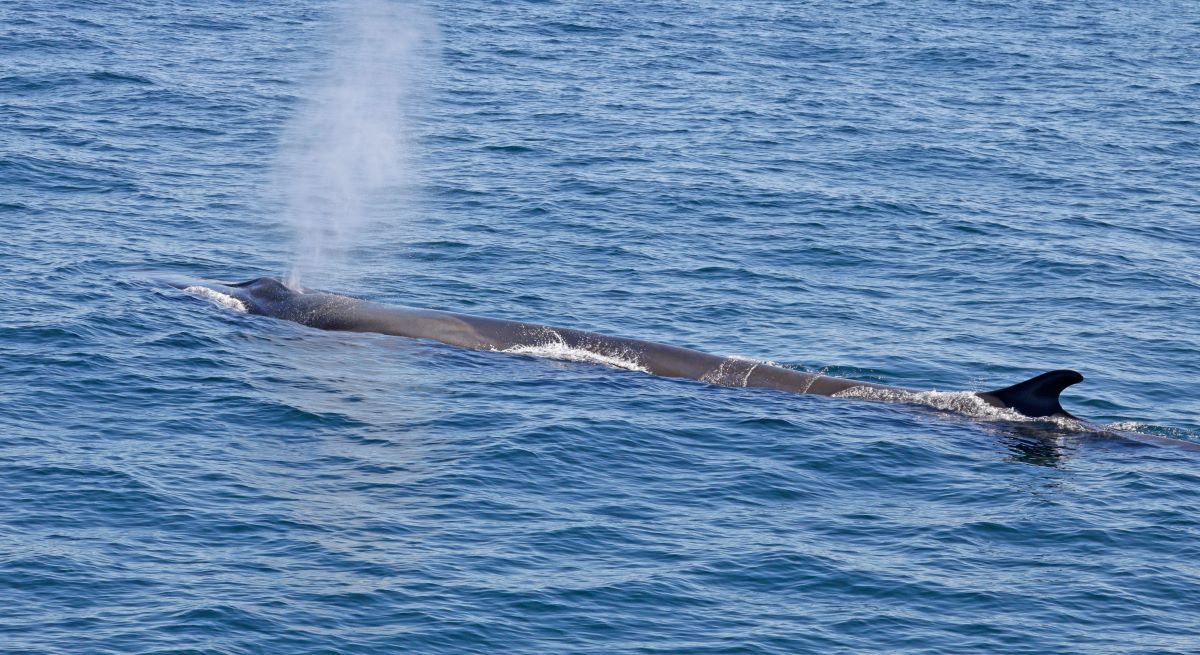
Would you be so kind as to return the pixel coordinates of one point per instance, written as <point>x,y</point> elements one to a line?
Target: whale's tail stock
<point>1037,396</point>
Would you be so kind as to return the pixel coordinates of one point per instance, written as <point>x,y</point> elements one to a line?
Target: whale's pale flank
<point>1036,397</point>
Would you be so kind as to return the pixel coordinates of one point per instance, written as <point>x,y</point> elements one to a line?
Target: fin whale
<point>1037,397</point>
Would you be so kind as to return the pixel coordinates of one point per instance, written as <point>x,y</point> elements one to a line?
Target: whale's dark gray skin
<point>1036,397</point>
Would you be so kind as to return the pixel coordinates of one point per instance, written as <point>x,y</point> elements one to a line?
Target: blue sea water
<point>926,194</point>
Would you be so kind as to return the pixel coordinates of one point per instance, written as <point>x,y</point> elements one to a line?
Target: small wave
<point>558,349</point>
<point>1154,433</point>
<point>1126,426</point>
<point>221,299</point>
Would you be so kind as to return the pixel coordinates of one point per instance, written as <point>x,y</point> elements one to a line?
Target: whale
<point>1037,397</point>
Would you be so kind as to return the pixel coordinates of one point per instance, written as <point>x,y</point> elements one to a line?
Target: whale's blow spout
<point>1038,396</point>
<point>347,159</point>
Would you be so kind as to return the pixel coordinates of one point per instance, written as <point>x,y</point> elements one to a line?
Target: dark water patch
<point>118,78</point>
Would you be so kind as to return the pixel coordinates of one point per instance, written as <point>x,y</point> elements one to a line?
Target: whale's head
<point>270,296</point>
<point>265,295</point>
<point>262,295</point>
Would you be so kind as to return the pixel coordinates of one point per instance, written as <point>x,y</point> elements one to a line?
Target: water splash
<point>216,296</point>
<point>735,371</point>
<point>960,402</point>
<point>350,144</point>
<point>555,347</point>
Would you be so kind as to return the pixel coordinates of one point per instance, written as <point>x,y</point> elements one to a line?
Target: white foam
<point>756,360</point>
<point>732,372</point>
<point>1126,426</point>
<point>221,299</point>
<point>557,348</point>
<point>960,402</point>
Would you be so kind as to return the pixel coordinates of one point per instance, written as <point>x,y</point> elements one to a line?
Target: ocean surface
<point>945,196</point>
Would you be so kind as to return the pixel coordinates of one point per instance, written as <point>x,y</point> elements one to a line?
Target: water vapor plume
<point>349,148</point>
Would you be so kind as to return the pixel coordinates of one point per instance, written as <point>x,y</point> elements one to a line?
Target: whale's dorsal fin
<point>1037,396</point>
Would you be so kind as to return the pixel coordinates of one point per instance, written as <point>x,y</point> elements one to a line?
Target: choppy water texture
<point>927,194</point>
